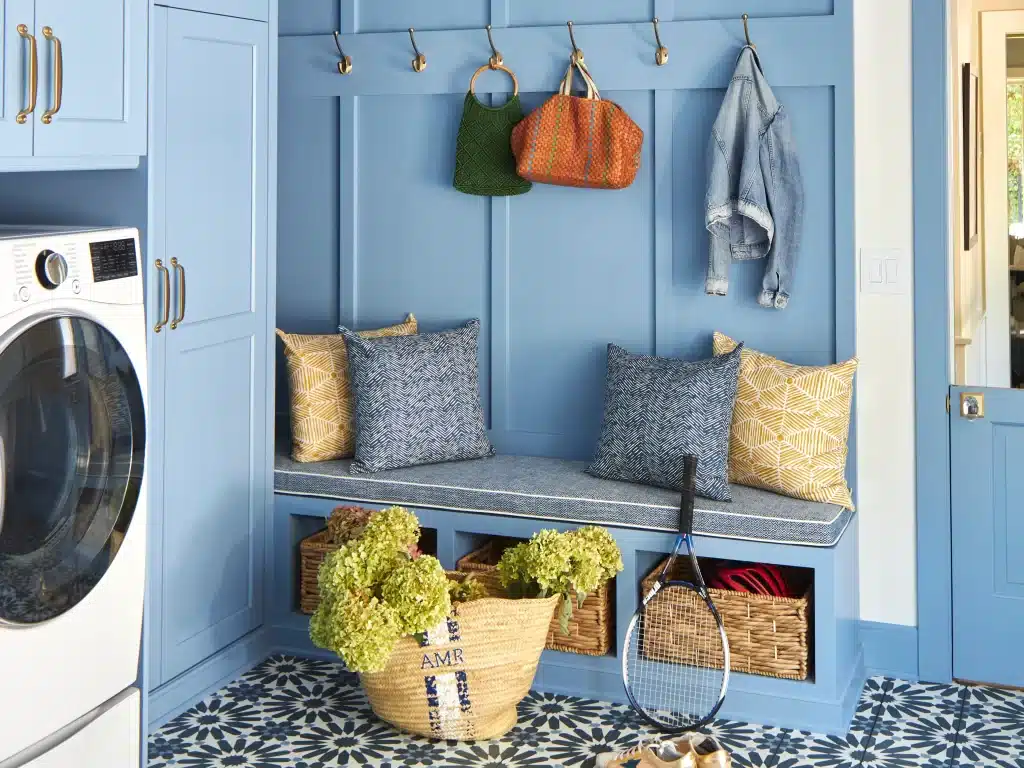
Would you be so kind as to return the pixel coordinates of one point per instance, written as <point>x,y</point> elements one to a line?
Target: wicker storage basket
<point>767,635</point>
<point>592,626</point>
<point>466,678</point>
<point>312,551</point>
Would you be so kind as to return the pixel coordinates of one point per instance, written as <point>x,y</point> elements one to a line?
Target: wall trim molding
<point>890,650</point>
<point>177,695</point>
<point>932,338</point>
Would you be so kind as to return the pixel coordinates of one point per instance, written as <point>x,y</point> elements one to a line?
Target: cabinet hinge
<point>947,403</point>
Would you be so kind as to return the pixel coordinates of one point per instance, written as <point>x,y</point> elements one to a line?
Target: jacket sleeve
<point>785,192</point>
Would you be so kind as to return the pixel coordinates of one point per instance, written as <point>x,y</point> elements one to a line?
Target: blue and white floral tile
<point>311,714</point>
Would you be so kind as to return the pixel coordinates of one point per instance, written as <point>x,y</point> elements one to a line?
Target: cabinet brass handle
<point>58,75</point>
<point>181,293</point>
<point>33,74</point>
<point>166,298</point>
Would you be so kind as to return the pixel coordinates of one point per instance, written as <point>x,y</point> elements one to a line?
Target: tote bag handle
<point>567,81</point>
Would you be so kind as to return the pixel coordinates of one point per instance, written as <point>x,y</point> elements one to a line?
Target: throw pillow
<point>417,399</point>
<point>322,413</point>
<point>790,426</point>
<point>657,410</point>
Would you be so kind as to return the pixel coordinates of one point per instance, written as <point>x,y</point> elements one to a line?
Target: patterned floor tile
<point>311,714</point>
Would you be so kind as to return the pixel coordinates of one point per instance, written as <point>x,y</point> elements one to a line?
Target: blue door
<point>92,84</point>
<point>209,201</point>
<point>16,39</point>
<point>987,438</point>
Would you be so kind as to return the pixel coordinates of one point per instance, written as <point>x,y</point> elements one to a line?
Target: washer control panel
<point>114,259</point>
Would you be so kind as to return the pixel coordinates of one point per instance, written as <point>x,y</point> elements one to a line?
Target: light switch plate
<point>885,271</point>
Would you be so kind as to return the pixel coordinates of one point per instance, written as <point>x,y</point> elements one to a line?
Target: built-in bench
<point>463,503</point>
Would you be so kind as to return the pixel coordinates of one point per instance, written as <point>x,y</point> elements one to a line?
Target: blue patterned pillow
<point>417,399</point>
<point>657,410</point>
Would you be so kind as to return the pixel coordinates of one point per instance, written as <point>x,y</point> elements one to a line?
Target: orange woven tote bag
<point>576,141</point>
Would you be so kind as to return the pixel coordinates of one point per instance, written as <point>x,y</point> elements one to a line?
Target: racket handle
<point>689,493</point>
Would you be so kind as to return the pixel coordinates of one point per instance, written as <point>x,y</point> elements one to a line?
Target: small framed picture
<point>970,123</point>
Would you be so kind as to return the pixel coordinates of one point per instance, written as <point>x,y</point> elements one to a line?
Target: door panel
<point>103,101</point>
<point>15,138</point>
<point>988,537</point>
<point>210,192</point>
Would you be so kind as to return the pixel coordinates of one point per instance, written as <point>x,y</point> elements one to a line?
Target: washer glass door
<point>72,441</point>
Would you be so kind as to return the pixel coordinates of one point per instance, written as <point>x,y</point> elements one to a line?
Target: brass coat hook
<point>661,55</point>
<point>577,54</point>
<point>746,30</point>
<point>420,62</point>
<point>496,58</point>
<point>345,65</point>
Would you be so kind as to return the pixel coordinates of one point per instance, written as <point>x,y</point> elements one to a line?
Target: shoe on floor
<point>653,755</point>
<point>704,751</point>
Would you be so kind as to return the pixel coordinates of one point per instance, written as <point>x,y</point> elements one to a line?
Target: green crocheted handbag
<point>484,163</point>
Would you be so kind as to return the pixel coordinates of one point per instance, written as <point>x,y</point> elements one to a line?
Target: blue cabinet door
<point>92,60</point>
<point>16,24</point>
<point>209,222</point>
<point>987,472</point>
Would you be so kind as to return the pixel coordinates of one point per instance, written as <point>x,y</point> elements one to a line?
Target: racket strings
<point>675,660</point>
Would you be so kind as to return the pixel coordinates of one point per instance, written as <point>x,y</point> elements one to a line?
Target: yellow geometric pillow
<point>322,412</point>
<point>790,426</point>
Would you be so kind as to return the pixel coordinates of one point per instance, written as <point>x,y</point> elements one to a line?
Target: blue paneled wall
<point>371,227</point>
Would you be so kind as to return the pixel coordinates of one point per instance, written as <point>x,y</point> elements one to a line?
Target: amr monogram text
<point>447,659</point>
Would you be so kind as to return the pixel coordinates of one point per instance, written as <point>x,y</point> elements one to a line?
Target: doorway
<point>986,419</point>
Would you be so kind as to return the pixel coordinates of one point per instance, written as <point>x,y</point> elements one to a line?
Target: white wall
<point>885,323</point>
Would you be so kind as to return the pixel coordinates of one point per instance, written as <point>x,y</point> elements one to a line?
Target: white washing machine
<point>72,497</point>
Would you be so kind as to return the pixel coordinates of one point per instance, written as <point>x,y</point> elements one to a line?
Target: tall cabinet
<point>211,320</point>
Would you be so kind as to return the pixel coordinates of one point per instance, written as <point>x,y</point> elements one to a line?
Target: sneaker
<point>704,751</point>
<point>653,755</point>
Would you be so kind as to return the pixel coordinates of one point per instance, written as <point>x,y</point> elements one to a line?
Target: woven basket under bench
<point>592,626</point>
<point>312,551</point>
<point>767,635</point>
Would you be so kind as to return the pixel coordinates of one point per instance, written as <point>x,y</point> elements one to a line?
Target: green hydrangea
<point>358,627</point>
<point>417,591</point>
<point>394,528</point>
<point>569,564</point>
<point>467,590</point>
<point>359,565</point>
<point>595,558</point>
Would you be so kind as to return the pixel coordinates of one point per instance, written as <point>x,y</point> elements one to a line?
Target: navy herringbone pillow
<point>417,399</point>
<point>657,410</point>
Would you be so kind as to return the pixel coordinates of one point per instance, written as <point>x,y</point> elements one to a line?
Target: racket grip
<point>689,493</point>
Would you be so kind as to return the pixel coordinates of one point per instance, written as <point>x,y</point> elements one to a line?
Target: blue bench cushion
<point>555,489</point>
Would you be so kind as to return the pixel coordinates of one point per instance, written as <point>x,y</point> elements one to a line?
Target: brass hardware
<point>159,264</point>
<point>661,55</point>
<point>345,65</point>
<point>180,269</point>
<point>972,405</point>
<point>746,30</point>
<point>33,74</point>
<point>947,403</point>
<point>496,58</point>
<point>58,75</point>
<point>496,63</point>
<point>420,62</point>
<point>577,54</point>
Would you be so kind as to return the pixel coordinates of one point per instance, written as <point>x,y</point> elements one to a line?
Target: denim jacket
<point>755,200</point>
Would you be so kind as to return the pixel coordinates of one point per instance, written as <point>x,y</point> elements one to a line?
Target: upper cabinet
<point>74,79</point>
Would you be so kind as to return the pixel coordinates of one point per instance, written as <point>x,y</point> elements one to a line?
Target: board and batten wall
<point>309,274</point>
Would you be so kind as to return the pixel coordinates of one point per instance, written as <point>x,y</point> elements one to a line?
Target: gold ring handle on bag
<point>500,67</point>
<point>58,75</point>
<point>33,74</point>
<point>166,304</point>
<point>180,269</point>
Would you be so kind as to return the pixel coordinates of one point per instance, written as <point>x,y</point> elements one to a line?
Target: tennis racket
<point>675,660</point>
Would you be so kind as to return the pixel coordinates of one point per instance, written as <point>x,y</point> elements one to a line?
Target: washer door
<point>72,442</point>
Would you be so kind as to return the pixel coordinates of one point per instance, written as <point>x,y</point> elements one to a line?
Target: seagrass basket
<point>592,626</point>
<point>464,679</point>
<point>767,635</point>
